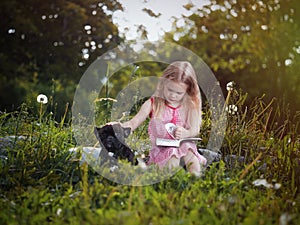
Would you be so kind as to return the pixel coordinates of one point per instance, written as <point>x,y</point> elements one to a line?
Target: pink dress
<point>161,155</point>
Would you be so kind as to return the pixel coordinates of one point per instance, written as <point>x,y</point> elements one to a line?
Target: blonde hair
<point>181,72</point>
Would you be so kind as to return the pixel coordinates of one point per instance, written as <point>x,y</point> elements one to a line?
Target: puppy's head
<point>112,136</point>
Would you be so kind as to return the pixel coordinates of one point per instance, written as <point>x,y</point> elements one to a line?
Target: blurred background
<point>47,45</point>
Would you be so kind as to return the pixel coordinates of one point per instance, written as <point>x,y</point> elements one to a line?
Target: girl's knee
<point>192,163</point>
<point>173,162</point>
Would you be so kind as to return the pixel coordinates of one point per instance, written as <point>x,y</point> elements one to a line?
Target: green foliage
<point>261,131</point>
<point>254,43</point>
<point>44,47</point>
<point>41,182</point>
<point>112,102</point>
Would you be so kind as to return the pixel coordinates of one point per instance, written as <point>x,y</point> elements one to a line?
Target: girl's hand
<point>112,123</point>
<point>124,125</point>
<point>181,132</point>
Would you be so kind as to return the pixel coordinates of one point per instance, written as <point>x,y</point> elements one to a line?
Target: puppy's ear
<point>96,129</point>
<point>127,131</point>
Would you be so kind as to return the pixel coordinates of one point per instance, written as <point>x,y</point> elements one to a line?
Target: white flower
<point>59,211</point>
<point>264,182</point>
<point>277,186</point>
<point>285,218</point>
<point>105,99</point>
<point>231,109</point>
<point>113,168</point>
<point>42,99</point>
<point>229,86</point>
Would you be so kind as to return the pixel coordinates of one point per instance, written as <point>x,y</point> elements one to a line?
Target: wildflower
<point>59,211</point>
<point>231,109</point>
<point>264,182</point>
<point>105,99</point>
<point>229,86</point>
<point>285,218</point>
<point>277,186</point>
<point>113,168</point>
<point>42,99</point>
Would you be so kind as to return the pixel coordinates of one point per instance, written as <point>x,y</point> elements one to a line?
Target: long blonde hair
<point>180,71</point>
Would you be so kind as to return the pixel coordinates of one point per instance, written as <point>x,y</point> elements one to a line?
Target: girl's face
<point>174,92</point>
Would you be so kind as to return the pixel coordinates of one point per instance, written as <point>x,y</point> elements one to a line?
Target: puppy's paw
<point>113,168</point>
<point>141,163</point>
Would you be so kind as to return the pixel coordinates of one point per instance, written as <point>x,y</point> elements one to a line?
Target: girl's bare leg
<point>173,163</point>
<point>192,163</point>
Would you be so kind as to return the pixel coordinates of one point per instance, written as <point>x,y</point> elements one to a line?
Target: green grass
<point>41,183</point>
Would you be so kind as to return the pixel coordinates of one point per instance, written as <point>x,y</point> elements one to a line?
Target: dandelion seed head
<point>231,109</point>
<point>41,98</point>
<point>229,86</point>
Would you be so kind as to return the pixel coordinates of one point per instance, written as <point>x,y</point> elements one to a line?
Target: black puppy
<point>112,140</point>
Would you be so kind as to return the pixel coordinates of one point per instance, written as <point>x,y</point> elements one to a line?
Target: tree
<point>254,43</point>
<point>47,45</point>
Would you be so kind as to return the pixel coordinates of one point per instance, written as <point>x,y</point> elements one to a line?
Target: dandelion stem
<point>41,112</point>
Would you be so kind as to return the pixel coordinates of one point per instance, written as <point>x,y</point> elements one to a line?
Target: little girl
<point>176,101</point>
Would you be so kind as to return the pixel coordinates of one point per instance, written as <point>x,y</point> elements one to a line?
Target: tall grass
<point>41,182</point>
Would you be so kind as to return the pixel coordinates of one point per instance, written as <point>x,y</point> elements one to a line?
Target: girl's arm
<point>140,117</point>
<point>194,129</point>
<point>181,132</point>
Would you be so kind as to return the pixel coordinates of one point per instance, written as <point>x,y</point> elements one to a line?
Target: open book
<point>173,142</point>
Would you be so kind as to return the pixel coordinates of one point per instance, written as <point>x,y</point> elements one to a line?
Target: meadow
<point>256,182</point>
